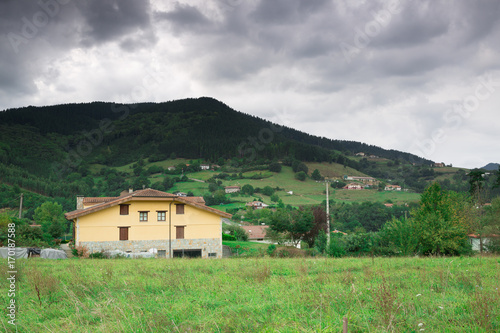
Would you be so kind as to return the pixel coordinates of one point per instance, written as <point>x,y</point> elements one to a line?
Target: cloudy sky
<point>417,76</point>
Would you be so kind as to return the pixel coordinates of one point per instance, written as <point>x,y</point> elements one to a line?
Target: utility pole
<point>327,216</point>
<point>21,206</point>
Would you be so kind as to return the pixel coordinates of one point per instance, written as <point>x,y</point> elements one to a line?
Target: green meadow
<point>458,294</point>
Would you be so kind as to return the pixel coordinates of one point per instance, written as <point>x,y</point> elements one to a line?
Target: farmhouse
<point>148,219</point>
<point>232,189</point>
<point>256,205</point>
<point>204,167</point>
<point>353,186</point>
<point>392,188</point>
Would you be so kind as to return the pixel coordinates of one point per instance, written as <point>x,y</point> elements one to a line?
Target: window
<point>179,209</point>
<point>212,255</point>
<point>123,233</point>
<point>124,209</point>
<point>187,253</point>
<point>162,215</point>
<point>143,216</point>
<point>179,232</point>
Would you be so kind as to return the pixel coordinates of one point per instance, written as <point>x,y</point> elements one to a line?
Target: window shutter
<point>179,209</point>
<point>124,209</point>
<point>123,233</point>
<point>179,232</point>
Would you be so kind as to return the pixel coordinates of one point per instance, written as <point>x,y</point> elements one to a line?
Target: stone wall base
<point>210,247</point>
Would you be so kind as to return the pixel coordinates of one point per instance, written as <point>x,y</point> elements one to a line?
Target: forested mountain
<point>50,150</point>
<point>115,134</point>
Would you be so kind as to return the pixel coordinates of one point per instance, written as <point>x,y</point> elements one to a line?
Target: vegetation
<point>271,295</point>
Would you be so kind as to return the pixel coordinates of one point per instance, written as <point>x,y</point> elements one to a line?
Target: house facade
<point>256,205</point>
<point>392,188</point>
<point>232,189</point>
<point>353,186</point>
<point>148,219</point>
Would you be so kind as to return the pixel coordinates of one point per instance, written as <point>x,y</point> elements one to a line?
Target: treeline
<point>438,225</point>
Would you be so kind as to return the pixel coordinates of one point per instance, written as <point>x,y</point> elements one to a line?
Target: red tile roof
<point>256,231</point>
<point>106,202</point>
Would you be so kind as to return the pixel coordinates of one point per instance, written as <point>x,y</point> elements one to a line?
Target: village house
<point>256,205</point>
<point>392,188</point>
<point>204,167</point>
<point>232,189</point>
<point>138,221</point>
<point>353,186</point>
<point>256,232</point>
<point>438,165</point>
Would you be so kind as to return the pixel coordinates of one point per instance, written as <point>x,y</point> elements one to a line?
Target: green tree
<point>50,216</point>
<point>275,197</point>
<point>301,175</point>
<point>268,190</point>
<point>441,221</point>
<point>316,175</point>
<point>247,189</point>
<point>403,235</point>
<point>275,167</point>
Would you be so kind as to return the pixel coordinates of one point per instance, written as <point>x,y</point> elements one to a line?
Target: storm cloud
<point>417,76</point>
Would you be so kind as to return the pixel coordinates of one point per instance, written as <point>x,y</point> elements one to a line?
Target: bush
<point>228,237</point>
<point>236,231</point>
<point>271,249</point>
<point>97,255</point>
<point>301,175</point>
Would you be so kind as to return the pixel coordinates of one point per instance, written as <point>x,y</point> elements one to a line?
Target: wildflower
<point>419,295</point>
<point>420,324</point>
<point>440,307</point>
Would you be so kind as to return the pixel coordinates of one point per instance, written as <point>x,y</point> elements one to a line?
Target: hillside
<point>100,148</point>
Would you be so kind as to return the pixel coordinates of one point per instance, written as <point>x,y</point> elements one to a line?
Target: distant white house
<point>290,192</point>
<point>353,186</point>
<point>480,241</point>
<point>232,189</point>
<point>204,167</point>
<point>256,205</point>
<point>392,187</point>
<point>171,168</point>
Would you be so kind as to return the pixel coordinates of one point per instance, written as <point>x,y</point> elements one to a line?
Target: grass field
<point>256,295</point>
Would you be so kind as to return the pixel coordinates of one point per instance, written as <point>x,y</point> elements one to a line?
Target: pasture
<point>459,294</point>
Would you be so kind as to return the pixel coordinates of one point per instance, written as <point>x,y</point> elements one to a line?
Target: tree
<point>295,223</point>
<point>316,175</point>
<point>491,225</point>
<point>441,221</point>
<point>247,189</point>
<point>268,190</point>
<point>50,216</point>
<point>403,235</point>
<point>301,175</point>
<point>476,181</point>
<point>275,197</point>
<point>275,167</point>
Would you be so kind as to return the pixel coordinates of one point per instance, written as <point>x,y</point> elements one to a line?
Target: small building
<point>480,243</point>
<point>388,205</point>
<point>256,205</point>
<point>232,189</point>
<point>392,188</point>
<point>171,168</point>
<point>353,186</point>
<point>290,192</point>
<point>256,232</point>
<point>438,165</point>
<point>360,154</point>
<point>204,167</point>
<point>181,194</point>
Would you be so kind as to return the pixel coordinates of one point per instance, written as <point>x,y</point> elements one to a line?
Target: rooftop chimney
<point>130,190</point>
<point>79,201</point>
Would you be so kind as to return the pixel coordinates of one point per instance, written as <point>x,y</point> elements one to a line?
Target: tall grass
<point>257,295</point>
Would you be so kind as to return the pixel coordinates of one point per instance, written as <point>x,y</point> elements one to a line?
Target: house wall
<point>100,230</point>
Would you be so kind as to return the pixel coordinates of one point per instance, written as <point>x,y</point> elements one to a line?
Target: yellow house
<point>145,219</point>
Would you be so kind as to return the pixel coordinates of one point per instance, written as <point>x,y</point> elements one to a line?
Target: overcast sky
<point>417,76</point>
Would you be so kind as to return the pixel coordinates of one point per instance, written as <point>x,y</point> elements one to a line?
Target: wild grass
<point>257,295</point>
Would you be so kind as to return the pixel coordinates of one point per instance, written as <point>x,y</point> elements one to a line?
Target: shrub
<point>228,237</point>
<point>271,248</point>
<point>97,255</point>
